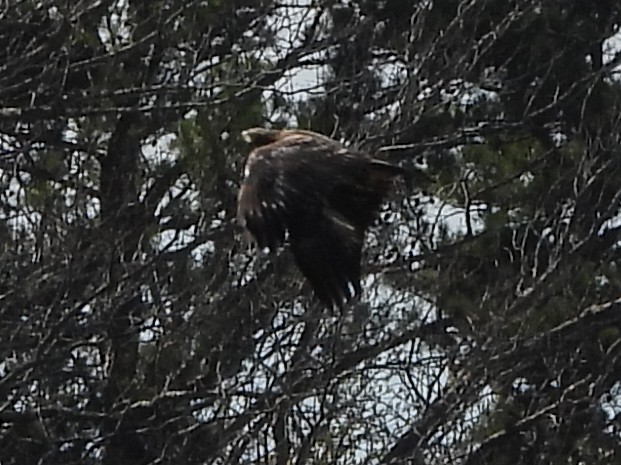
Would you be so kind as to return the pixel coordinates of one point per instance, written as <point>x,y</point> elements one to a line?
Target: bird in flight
<point>320,194</point>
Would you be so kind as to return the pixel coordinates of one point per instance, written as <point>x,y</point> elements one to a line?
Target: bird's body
<point>320,192</point>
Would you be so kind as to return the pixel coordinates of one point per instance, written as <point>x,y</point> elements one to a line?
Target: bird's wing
<point>269,191</point>
<point>282,182</point>
<point>287,186</point>
<point>328,253</point>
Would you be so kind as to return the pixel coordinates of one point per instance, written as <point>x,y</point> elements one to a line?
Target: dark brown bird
<point>323,194</point>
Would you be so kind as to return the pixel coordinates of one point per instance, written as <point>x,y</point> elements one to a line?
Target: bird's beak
<point>246,136</point>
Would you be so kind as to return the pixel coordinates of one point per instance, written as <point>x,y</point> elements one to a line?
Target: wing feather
<point>280,188</point>
<point>325,196</point>
<point>328,254</point>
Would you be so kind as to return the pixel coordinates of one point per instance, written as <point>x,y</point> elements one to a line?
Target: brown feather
<point>323,194</point>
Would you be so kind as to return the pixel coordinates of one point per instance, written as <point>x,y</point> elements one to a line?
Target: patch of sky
<point>611,48</point>
<point>115,28</point>
<point>171,240</point>
<point>454,218</point>
<point>611,405</point>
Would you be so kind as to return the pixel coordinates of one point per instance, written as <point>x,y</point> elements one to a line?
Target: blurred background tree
<point>136,326</point>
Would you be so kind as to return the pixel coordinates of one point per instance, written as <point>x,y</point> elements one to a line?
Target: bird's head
<point>258,137</point>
